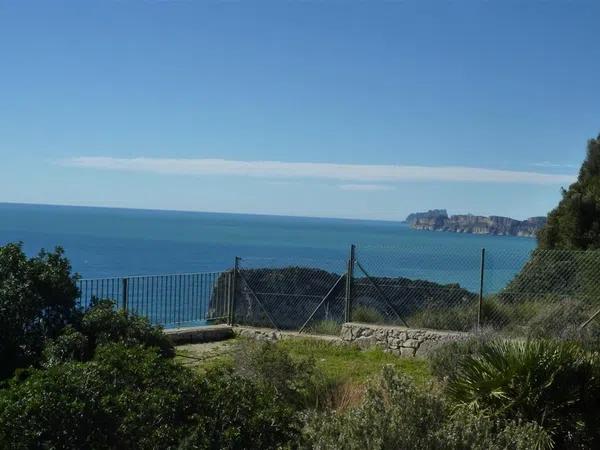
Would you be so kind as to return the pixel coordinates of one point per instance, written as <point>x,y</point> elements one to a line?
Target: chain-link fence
<point>299,295</point>
<point>551,293</point>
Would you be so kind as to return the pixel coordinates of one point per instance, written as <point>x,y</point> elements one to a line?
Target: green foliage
<point>457,318</point>
<point>553,384</point>
<point>126,397</point>
<point>444,358</point>
<point>395,414</point>
<point>236,412</point>
<point>364,314</point>
<point>37,298</point>
<point>575,222</point>
<point>327,327</point>
<point>71,345</point>
<point>467,430</point>
<point>102,324</point>
<point>349,364</point>
<point>295,381</point>
<point>131,397</point>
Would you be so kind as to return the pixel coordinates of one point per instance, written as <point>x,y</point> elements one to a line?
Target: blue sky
<point>326,108</point>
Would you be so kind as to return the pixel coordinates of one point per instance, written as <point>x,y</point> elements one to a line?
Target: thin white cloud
<point>365,187</point>
<point>552,165</point>
<point>361,173</point>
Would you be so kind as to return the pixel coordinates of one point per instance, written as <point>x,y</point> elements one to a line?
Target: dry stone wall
<point>399,340</point>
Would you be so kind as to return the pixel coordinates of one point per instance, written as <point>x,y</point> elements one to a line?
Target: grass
<point>342,364</point>
<point>326,327</point>
<point>206,356</point>
<point>349,364</point>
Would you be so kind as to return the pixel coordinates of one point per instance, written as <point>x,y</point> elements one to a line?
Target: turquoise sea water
<point>103,242</point>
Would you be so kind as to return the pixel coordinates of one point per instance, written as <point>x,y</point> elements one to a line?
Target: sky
<point>354,109</point>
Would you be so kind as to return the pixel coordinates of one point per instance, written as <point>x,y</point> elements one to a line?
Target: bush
<point>444,359</point>
<point>296,382</point>
<point>131,397</point>
<point>126,397</point>
<point>457,318</point>
<point>554,384</point>
<point>466,430</point>
<point>237,412</point>
<point>394,414</point>
<point>37,299</point>
<point>327,327</point>
<point>364,314</point>
<point>71,345</point>
<point>103,324</point>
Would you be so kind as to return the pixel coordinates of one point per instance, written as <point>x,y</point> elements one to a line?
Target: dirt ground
<point>194,354</point>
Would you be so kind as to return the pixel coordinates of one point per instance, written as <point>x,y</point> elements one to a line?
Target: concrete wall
<point>399,340</point>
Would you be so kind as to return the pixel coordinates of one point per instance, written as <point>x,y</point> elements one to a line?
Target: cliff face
<point>433,217</point>
<point>438,220</point>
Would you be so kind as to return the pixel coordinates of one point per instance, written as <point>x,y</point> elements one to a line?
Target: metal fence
<point>554,293</point>
<point>169,300</point>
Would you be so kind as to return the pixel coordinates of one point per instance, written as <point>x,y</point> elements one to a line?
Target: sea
<point>110,242</point>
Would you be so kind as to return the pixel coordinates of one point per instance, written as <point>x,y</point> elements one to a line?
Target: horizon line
<point>133,208</point>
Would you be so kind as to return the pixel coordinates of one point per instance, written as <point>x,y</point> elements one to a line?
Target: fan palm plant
<point>554,384</point>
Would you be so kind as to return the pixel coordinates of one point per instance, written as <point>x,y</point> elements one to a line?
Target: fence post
<point>124,294</point>
<point>481,273</point>
<point>349,279</point>
<point>232,295</point>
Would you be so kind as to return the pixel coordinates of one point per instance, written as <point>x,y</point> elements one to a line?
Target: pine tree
<point>575,223</point>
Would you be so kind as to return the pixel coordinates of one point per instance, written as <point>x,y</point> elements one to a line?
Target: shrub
<point>364,314</point>
<point>328,327</point>
<point>445,358</point>
<point>131,397</point>
<point>394,414</point>
<point>554,384</point>
<point>295,381</point>
<point>37,299</point>
<point>126,397</point>
<point>457,318</point>
<point>103,324</point>
<point>236,412</point>
<point>71,345</point>
<point>466,430</point>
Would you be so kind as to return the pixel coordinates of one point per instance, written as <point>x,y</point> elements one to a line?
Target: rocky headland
<point>438,220</point>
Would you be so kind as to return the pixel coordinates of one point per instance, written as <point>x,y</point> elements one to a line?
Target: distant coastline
<point>439,220</point>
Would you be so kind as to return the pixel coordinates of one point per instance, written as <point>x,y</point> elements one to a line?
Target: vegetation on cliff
<point>575,223</point>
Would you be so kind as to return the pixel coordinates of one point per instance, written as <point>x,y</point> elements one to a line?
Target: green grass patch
<point>339,363</point>
<point>345,363</point>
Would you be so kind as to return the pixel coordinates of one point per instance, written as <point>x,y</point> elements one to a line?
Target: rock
<point>366,341</point>
<point>411,343</point>
<point>406,351</point>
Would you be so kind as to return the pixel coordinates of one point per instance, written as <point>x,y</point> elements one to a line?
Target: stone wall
<point>399,340</point>
<point>269,334</point>
<point>191,335</point>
